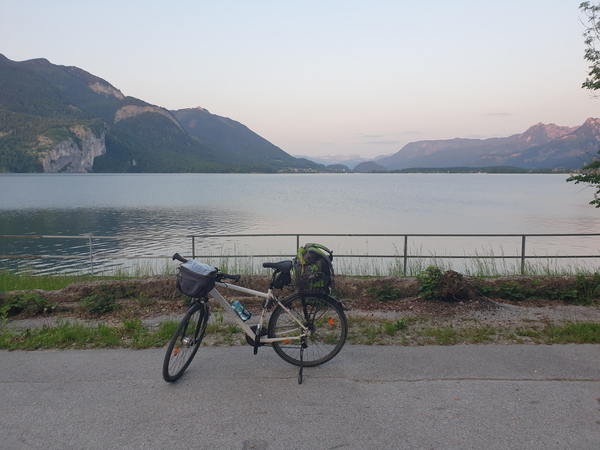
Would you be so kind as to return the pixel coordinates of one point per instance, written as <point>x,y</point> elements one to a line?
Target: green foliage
<point>585,291</point>
<point>429,282</point>
<point>451,336</point>
<point>98,304</point>
<point>141,337</point>
<point>590,174</point>
<point>385,293</point>
<point>105,299</point>
<point>20,148</point>
<point>131,334</point>
<point>573,332</point>
<point>591,35</point>
<point>28,303</point>
<point>510,290</point>
<point>391,327</point>
<point>11,281</point>
<point>40,99</point>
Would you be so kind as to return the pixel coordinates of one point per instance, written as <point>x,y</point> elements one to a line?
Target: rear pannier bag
<point>196,284</point>
<point>313,269</point>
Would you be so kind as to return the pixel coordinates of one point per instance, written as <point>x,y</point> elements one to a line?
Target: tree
<point>590,174</point>
<point>591,36</point>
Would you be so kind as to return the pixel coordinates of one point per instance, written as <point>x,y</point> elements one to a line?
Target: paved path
<point>461,397</point>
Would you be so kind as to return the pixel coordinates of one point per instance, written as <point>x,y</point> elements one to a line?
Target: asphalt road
<point>461,397</point>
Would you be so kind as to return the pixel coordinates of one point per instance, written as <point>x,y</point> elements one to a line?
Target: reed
<point>484,263</point>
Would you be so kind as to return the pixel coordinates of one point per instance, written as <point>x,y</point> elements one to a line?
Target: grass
<point>412,331</point>
<point>129,334</point>
<point>568,333</point>
<point>10,281</point>
<point>477,267</point>
<point>484,262</point>
<point>404,332</point>
<point>27,279</point>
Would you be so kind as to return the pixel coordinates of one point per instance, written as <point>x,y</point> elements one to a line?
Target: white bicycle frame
<point>244,326</point>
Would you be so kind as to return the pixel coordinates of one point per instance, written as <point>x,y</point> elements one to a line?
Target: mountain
<point>368,167</point>
<point>235,141</point>
<point>539,147</point>
<point>63,119</point>
<point>349,161</point>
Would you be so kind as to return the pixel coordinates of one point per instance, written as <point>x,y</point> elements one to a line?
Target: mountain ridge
<point>45,109</point>
<point>541,146</point>
<point>63,119</point>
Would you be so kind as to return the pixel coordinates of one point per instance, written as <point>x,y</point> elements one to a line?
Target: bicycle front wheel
<point>326,323</point>
<point>185,342</point>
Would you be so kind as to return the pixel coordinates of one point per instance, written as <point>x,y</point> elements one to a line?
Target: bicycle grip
<point>231,277</point>
<point>178,257</point>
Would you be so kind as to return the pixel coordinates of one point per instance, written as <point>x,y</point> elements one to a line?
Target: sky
<point>327,77</point>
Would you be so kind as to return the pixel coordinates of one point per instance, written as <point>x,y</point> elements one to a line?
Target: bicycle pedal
<point>250,341</point>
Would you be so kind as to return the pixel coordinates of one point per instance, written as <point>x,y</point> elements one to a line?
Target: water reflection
<point>162,206</point>
<point>153,229</point>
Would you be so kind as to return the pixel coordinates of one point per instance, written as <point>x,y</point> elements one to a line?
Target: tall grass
<point>482,264</point>
<point>26,279</point>
<point>11,281</point>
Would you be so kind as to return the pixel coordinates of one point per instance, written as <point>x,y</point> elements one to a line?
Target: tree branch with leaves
<point>590,174</point>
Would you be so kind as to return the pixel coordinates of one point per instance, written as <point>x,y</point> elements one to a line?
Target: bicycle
<point>305,329</point>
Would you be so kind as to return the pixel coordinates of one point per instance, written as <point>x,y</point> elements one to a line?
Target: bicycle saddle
<point>282,266</point>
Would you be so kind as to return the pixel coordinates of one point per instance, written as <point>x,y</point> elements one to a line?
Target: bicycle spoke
<point>185,343</point>
<point>327,329</point>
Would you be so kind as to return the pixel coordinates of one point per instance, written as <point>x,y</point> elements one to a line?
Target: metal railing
<point>405,256</point>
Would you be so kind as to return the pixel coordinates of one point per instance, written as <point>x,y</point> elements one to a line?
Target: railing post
<point>405,254</point>
<point>193,247</point>
<point>91,255</point>
<point>297,242</point>
<point>523,255</point>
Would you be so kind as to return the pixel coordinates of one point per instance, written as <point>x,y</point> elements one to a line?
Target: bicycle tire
<point>323,316</point>
<point>185,342</point>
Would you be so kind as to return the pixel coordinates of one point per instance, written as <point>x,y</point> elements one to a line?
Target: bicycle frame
<point>268,296</point>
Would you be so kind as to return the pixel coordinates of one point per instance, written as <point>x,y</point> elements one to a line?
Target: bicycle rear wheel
<point>324,318</point>
<point>185,342</point>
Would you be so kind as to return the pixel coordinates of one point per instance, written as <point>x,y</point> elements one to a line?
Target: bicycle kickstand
<point>302,346</point>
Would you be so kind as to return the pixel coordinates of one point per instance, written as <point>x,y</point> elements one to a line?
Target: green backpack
<point>313,269</point>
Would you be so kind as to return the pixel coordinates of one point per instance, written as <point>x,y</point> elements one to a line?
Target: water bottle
<point>241,311</point>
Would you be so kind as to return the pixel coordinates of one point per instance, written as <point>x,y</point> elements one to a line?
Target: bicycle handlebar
<point>222,275</point>
<point>178,257</point>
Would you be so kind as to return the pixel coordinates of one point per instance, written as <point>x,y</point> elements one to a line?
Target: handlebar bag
<point>195,284</point>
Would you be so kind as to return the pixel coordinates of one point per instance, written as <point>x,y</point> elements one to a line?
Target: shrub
<point>102,302</point>
<point>27,303</point>
<point>385,293</point>
<point>429,282</point>
<point>449,286</point>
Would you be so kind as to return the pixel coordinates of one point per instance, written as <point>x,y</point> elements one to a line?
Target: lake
<point>165,205</point>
